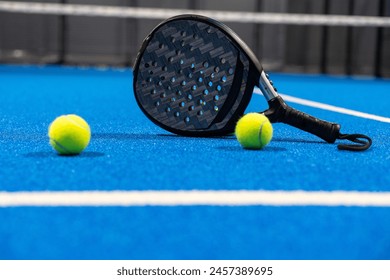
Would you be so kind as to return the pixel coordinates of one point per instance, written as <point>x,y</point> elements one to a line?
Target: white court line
<point>330,107</point>
<point>195,197</point>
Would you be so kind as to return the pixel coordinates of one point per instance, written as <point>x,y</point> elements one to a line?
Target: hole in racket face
<point>191,78</point>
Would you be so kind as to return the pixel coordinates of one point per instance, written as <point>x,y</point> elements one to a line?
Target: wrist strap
<point>356,138</point>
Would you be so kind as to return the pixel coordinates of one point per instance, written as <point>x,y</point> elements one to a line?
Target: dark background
<point>79,40</point>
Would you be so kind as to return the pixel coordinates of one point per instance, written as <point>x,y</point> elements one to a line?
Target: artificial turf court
<point>129,153</point>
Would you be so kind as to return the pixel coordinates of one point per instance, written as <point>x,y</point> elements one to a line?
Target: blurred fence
<point>94,40</point>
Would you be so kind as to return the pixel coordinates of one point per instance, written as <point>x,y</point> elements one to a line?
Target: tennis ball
<point>254,131</point>
<point>69,134</point>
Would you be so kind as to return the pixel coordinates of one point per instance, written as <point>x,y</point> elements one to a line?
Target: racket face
<point>194,77</point>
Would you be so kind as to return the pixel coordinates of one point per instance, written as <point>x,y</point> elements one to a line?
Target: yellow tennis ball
<point>69,134</point>
<point>254,131</point>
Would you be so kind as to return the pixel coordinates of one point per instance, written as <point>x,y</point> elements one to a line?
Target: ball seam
<point>61,146</point>
<point>261,129</point>
<point>76,123</point>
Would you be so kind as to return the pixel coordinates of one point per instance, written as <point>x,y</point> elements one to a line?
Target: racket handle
<point>279,111</point>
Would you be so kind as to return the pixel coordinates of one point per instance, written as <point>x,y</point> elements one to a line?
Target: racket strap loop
<point>356,138</point>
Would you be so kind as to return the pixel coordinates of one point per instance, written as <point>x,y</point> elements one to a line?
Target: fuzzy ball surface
<point>254,131</point>
<point>69,134</point>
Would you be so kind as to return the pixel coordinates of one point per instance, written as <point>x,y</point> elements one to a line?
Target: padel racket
<point>194,76</point>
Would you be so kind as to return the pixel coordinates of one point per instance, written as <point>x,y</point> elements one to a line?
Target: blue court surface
<point>129,153</point>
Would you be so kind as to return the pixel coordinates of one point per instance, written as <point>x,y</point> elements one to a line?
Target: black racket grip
<point>279,111</point>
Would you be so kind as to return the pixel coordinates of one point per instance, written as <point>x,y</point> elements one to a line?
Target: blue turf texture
<point>128,152</point>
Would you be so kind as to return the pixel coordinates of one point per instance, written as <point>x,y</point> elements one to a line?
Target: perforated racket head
<point>193,76</point>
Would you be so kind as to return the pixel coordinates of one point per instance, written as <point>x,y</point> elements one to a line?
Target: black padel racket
<point>194,76</point>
